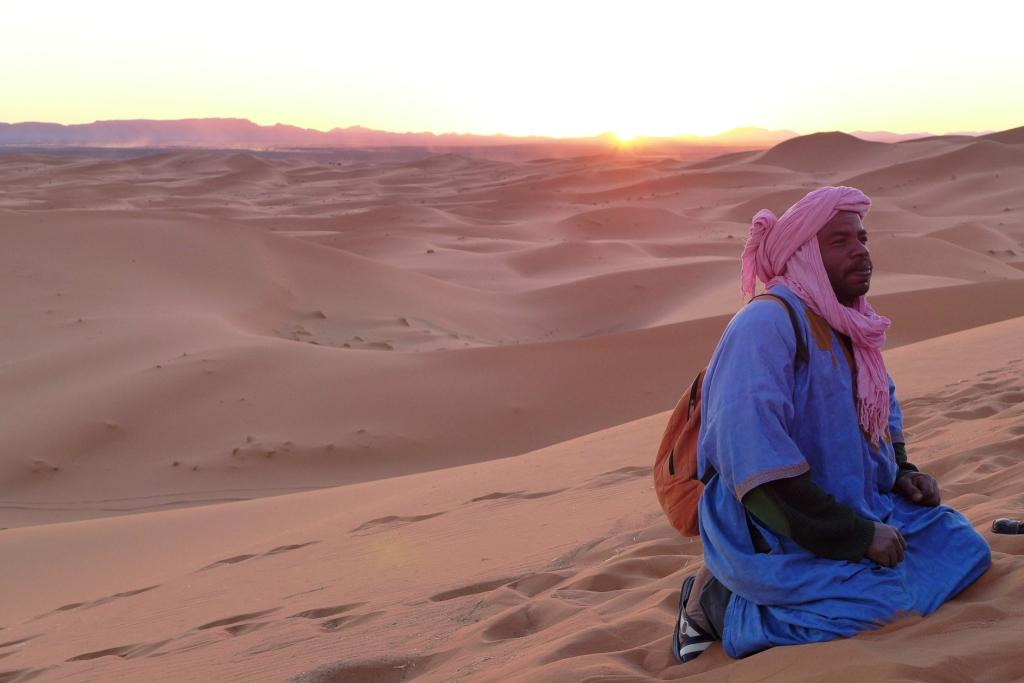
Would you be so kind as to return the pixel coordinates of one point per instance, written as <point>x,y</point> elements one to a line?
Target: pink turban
<point>785,250</point>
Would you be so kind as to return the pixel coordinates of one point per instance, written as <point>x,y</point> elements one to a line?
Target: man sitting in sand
<point>814,524</point>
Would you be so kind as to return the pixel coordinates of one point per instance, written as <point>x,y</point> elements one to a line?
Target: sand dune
<point>634,223</point>
<point>260,409</point>
<point>512,568</point>
<point>981,238</point>
<point>927,255</point>
<point>826,152</point>
<point>1014,136</point>
<point>984,157</point>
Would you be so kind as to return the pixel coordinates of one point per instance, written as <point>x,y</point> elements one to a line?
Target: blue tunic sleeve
<point>747,401</point>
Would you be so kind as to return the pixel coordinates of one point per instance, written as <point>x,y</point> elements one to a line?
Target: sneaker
<point>689,640</point>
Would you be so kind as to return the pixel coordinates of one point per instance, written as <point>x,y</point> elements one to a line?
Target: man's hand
<point>918,487</point>
<point>887,546</point>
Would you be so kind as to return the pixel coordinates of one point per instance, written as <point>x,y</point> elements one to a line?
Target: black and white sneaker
<point>689,640</point>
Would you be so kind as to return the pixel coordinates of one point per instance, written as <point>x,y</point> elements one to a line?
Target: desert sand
<point>268,417</point>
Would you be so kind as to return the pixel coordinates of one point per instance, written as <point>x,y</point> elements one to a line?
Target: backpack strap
<point>802,354</point>
<point>694,388</point>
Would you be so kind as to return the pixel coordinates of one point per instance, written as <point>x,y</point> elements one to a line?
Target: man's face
<point>844,251</point>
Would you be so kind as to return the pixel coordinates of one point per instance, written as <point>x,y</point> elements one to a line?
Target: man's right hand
<point>887,546</point>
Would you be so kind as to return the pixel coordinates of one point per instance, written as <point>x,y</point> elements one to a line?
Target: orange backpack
<point>675,468</point>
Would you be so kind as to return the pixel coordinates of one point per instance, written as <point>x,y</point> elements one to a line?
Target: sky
<point>558,67</point>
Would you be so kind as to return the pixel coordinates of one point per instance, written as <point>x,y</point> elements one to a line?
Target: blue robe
<point>766,417</point>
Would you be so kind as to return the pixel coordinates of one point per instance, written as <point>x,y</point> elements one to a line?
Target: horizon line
<point>600,134</point>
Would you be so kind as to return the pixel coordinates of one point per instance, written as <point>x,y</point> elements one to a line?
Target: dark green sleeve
<point>799,509</point>
<point>901,459</point>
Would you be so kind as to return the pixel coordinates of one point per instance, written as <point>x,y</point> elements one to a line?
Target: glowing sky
<point>554,67</point>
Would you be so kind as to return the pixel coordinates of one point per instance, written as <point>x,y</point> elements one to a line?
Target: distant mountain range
<point>244,134</point>
<point>229,133</point>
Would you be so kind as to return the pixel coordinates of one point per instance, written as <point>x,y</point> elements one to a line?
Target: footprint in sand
<point>566,559</point>
<point>234,625</point>
<point>515,495</point>
<point>242,558</point>
<point>115,596</point>
<point>607,639</point>
<point>618,476</point>
<point>528,619</point>
<point>228,560</point>
<point>1011,399</point>
<point>992,393</point>
<point>658,549</point>
<point>628,573</point>
<point>19,641</point>
<point>348,620</point>
<point>391,522</point>
<point>228,621</point>
<point>97,602</point>
<point>973,414</point>
<point>122,651</point>
<point>65,608</point>
<point>286,548</point>
<point>19,675</point>
<point>605,479</point>
<point>242,629</point>
<point>385,670</point>
<point>535,584</point>
<point>322,612</point>
<point>528,585</point>
<point>472,589</point>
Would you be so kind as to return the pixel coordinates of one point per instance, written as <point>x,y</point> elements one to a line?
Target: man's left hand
<point>918,487</point>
